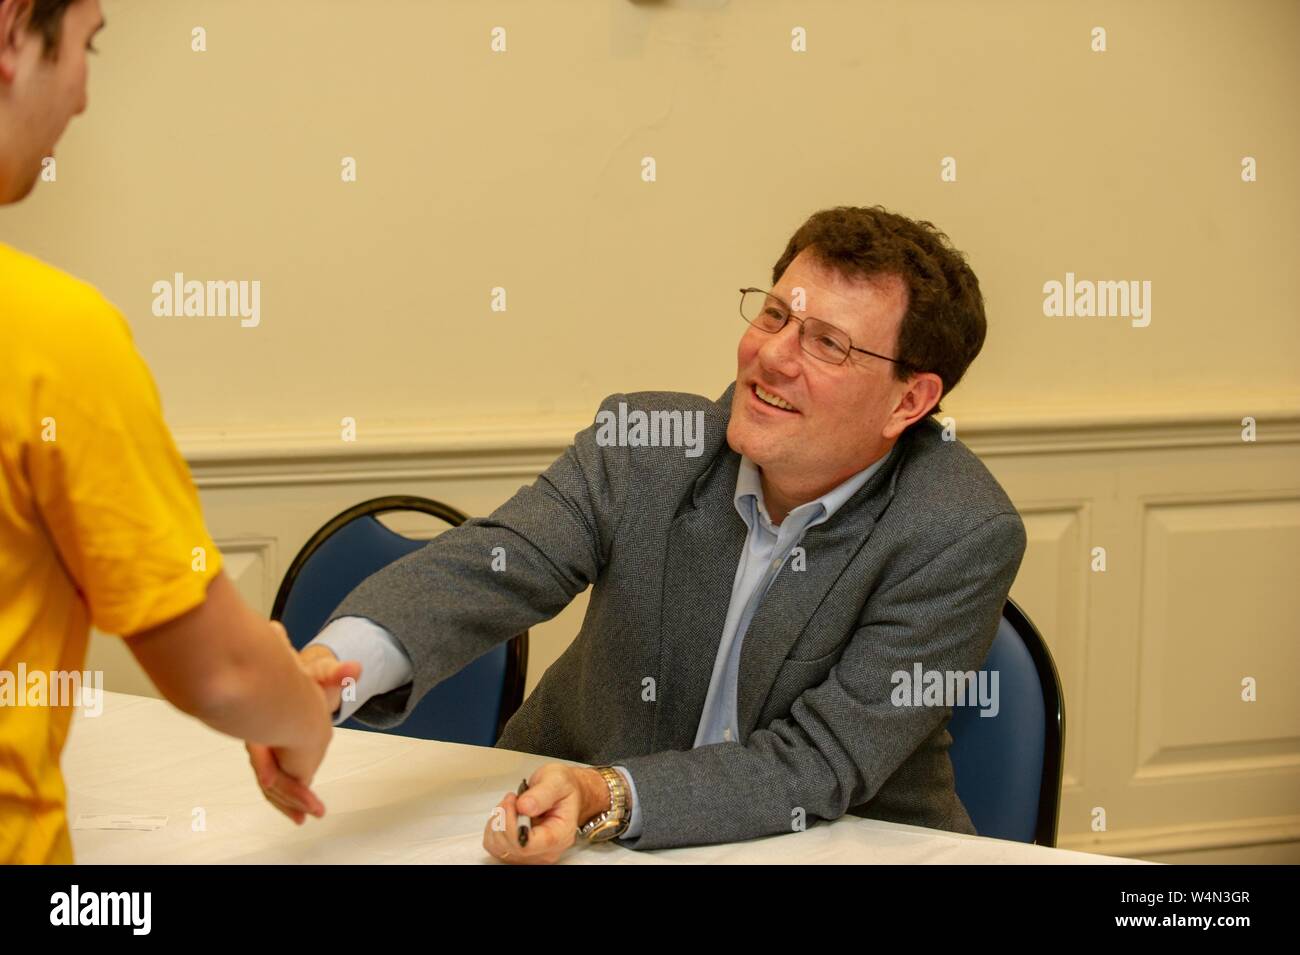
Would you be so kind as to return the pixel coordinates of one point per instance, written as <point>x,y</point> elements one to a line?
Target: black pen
<point>525,823</point>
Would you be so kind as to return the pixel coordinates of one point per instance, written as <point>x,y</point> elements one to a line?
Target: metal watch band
<point>613,822</point>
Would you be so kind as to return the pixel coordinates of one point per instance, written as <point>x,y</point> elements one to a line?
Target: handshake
<point>285,773</point>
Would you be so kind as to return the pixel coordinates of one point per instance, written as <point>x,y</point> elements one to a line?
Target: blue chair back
<point>1008,766</point>
<point>471,706</point>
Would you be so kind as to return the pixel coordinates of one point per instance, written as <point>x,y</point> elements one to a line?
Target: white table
<point>392,799</point>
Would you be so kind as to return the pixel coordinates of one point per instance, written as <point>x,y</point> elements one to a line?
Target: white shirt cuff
<point>384,664</point>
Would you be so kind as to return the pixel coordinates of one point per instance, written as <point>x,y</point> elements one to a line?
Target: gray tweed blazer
<point>914,568</point>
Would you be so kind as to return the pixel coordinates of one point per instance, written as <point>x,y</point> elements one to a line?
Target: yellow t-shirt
<point>99,523</point>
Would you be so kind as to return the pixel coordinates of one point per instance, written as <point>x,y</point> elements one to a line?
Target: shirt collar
<point>749,497</point>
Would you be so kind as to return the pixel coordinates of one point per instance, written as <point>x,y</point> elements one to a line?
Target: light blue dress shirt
<point>385,665</point>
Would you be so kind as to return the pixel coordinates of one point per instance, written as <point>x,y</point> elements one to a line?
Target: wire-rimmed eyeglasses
<point>820,339</point>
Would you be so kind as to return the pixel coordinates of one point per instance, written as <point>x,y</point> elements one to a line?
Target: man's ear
<point>923,391</point>
<point>14,36</point>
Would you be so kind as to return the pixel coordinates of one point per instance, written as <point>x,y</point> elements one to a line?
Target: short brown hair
<point>943,328</point>
<point>47,20</point>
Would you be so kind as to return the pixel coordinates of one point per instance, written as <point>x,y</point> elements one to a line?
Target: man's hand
<point>558,800</point>
<point>285,773</point>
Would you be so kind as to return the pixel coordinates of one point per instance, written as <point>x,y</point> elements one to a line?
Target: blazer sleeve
<point>486,581</point>
<point>843,738</point>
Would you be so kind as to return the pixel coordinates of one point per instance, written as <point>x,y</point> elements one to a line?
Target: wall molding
<point>504,449</point>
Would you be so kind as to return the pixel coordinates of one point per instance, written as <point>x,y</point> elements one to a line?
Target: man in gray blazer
<point>758,584</point>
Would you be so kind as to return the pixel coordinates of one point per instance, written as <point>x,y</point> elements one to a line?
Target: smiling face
<point>846,416</point>
<point>39,93</point>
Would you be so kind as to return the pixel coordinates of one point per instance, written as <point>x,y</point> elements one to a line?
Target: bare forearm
<point>265,697</point>
<point>227,666</point>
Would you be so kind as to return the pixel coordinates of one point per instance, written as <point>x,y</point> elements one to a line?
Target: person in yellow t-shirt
<point>99,520</point>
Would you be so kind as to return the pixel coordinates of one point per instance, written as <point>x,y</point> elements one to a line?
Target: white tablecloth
<point>391,799</point>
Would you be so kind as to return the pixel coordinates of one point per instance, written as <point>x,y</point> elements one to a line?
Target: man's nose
<point>782,349</point>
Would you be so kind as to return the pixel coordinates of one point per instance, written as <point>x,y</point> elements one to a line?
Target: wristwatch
<point>613,822</point>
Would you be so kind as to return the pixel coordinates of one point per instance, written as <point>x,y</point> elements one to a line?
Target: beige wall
<point>523,170</point>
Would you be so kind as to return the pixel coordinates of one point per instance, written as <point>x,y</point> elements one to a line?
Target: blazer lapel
<point>793,597</point>
<point>704,543</point>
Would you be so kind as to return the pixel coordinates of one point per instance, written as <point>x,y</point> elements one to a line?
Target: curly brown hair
<point>943,328</point>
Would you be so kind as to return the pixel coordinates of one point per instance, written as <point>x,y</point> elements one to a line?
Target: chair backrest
<point>1008,766</point>
<point>471,706</point>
